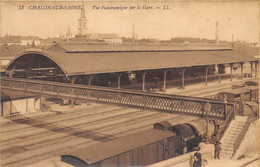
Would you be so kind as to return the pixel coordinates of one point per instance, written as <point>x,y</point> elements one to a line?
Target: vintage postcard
<point>129,83</point>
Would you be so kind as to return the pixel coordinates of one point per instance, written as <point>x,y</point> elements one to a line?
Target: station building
<point>15,103</point>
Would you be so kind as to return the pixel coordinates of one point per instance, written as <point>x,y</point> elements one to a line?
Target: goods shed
<point>15,103</point>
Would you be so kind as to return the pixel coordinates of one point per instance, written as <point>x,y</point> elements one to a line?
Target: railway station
<point>119,66</point>
<point>124,77</point>
<point>96,100</point>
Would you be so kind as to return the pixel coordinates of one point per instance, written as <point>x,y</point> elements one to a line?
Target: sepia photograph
<point>150,83</point>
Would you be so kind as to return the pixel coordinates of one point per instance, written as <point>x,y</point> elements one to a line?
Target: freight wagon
<point>162,142</point>
<point>139,149</point>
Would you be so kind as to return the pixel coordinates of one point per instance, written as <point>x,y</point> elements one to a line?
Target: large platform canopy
<point>72,62</point>
<point>154,47</point>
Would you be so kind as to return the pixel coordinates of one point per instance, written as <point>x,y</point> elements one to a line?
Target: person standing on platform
<point>217,150</point>
<point>197,160</point>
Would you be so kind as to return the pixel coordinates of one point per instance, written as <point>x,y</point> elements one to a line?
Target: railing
<point>155,101</point>
<point>242,133</point>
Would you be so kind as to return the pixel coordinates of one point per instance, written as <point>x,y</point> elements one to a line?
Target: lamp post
<point>207,107</point>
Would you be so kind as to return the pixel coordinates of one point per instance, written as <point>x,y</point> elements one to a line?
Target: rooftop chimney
<point>133,33</point>
<point>232,40</point>
<point>217,34</point>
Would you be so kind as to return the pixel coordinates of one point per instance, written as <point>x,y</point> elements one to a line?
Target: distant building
<point>84,36</point>
<point>112,39</point>
<point>20,40</point>
<point>8,52</point>
<point>29,40</point>
<point>68,34</point>
<point>82,30</point>
<point>51,41</point>
<point>79,38</point>
<point>10,40</point>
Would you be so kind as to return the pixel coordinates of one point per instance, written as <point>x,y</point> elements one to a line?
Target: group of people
<point>197,161</point>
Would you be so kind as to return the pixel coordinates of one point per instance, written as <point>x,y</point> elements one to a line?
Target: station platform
<point>200,89</point>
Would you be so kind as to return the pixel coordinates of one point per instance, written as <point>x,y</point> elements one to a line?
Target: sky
<point>178,19</point>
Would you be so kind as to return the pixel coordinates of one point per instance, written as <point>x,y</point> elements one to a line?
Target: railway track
<point>44,125</point>
<point>71,131</point>
<point>27,141</point>
<point>38,147</point>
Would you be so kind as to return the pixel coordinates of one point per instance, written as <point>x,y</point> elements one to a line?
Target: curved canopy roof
<point>107,62</point>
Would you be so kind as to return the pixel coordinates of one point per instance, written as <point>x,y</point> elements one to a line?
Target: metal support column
<point>231,71</point>
<point>164,80</point>
<point>143,75</point>
<point>242,69</point>
<point>206,77</point>
<point>11,72</point>
<point>219,74</point>
<point>90,79</point>
<point>251,65</point>
<point>183,77</point>
<point>255,69</point>
<point>207,108</point>
<point>118,80</point>
<point>73,79</point>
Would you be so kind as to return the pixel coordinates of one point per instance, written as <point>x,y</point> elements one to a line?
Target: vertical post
<point>164,80</point>
<point>2,109</point>
<point>164,149</point>
<point>144,102</point>
<point>251,65</point>
<point>25,86</point>
<point>219,74</point>
<point>242,69</point>
<point>41,102</point>
<point>11,106</point>
<point>26,103</point>
<point>11,85</point>
<point>183,77</point>
<point>225,107</point>
<point>11,72</point>
<point>206,77</point>
<point>90,79</point>
<point>118,80</point>
<point>143,75</point>
<point>231,71</point>
<point>255,69</point>
<point>58,90</point>
<point>73,79</point>
<point>207,108</point>
<point>41,88</point>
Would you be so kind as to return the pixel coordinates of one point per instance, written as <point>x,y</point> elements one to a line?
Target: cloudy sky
<point>181,19</point>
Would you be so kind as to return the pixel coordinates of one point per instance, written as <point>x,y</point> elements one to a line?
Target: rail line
<point>78,126</point>
<point>61,128</point>
<point>20,120</point>
<point>30,159</point>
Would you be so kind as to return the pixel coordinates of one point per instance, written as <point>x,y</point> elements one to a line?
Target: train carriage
<point>235,94</point>
<point>254,93</point>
